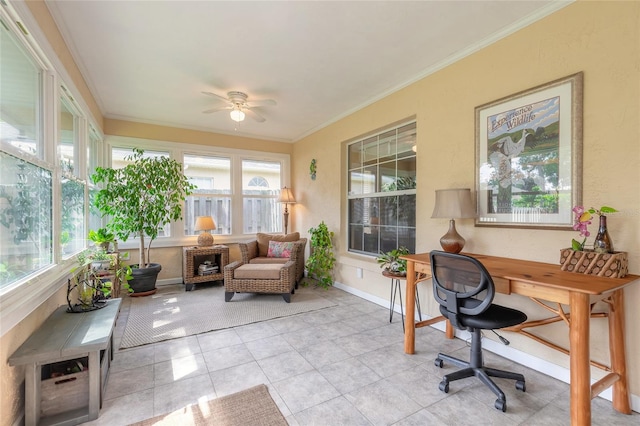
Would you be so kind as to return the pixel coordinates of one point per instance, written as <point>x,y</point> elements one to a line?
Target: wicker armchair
<point>255,252</point>
<point>259,278</point>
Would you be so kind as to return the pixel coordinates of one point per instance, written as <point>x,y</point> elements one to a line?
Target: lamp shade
<point>453,204</point>
<point>286,196</point>
<point>204,223</point>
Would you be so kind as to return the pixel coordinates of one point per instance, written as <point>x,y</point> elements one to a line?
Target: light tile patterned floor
<point>343,365</point>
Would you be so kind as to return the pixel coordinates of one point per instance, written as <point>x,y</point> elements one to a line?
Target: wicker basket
<point>611,265</point>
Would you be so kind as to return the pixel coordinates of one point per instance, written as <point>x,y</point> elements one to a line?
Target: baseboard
<point>528,360</point>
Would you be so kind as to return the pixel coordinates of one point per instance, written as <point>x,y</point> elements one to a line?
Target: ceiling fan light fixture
<point>237,115</point>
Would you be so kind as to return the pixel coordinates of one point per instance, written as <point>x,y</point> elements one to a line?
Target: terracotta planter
<point>611,265</point>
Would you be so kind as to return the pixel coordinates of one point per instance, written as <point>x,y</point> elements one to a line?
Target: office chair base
<point>483,373</point>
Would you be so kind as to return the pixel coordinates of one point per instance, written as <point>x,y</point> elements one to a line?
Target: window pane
<point>355,238</point>
<point>355,155</point>
<point>370,150</point>
<point>369,180</point>
<point>388,176</point>
<point>20,101</point>
<point>389,211</point>
<point>212,176</point>
<point>219,208</point>
<point>68,135</point>
<point>260,178</point>
<point>356,182</point>
<point>387,146</point>
<point>73,237</point>
<point>261,210</point>
<point>406,140</point>
<point>25,219</point>
<point>406,174</point>
<point>261,215</point>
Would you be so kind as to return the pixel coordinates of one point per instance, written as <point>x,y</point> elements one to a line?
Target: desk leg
<point>580,373</point>
<point>410,300</point>
<point>94,384</point>
<point>32,379</point>
<point>617,351</point>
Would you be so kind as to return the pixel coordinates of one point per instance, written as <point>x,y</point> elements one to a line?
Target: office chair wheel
<point>444,386</point>
<point>521,386</point>
<point>438,362</point>
<point>501,405</point>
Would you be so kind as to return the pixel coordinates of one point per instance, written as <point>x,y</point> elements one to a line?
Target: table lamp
<point>286,197</point>
<point>453,204</point>
<point>206,224</point>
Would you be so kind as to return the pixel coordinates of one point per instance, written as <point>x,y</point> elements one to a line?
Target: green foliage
<point>391,261</point>
<point>102,235</point>
<point>320,263</point>
<point>141,197</point>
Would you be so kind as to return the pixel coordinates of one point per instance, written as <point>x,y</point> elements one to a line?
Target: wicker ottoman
<point>259,278</point>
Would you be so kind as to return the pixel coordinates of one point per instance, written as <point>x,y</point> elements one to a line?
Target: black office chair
<point>464,289</point>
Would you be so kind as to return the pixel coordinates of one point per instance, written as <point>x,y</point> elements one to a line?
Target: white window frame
<point>177,151</point>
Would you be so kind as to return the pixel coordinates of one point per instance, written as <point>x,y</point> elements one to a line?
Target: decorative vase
<point>603,242</point>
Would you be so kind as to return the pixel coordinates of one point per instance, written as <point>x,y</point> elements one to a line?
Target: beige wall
<point>599,38</point>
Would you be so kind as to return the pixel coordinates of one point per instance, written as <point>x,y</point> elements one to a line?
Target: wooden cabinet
<point>195,256</point>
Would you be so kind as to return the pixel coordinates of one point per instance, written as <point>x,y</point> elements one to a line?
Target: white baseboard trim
<point>533,362</point>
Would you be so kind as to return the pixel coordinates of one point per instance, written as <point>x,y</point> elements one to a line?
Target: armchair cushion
<point>280,249</point>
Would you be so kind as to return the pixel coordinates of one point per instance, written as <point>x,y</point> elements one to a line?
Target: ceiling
<point>149,61</point>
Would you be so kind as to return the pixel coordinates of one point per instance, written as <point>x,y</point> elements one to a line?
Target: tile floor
<point>343,365</point>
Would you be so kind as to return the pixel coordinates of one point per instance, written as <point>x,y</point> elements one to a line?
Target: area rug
<point>178,313</point>
<point>253,406</point>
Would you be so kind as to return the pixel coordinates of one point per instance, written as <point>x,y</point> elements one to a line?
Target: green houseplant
<point>102,237</point>
<point>391,262</point>
<point>321,261</point>
<point>140,199</point>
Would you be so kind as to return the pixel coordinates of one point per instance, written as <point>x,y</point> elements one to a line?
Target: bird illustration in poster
<point>523,155</point>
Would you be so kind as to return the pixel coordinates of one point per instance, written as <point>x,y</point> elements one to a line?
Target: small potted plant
<point>391,262</point>
<point>102,237</point>
<point>100,260</point>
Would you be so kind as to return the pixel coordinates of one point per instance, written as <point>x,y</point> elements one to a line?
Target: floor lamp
<point>453,204</point>
<point>286,198</point>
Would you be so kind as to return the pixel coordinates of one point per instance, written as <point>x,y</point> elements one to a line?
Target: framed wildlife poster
<point>529,156</point>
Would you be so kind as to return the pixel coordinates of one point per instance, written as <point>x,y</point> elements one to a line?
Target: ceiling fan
<point>239,105</point>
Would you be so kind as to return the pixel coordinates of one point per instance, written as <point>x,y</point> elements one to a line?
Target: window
<point>25,219</point>
<point>20,85</point>
<point>382,191</point>
<point>212,176</point>
<point>72,234</point>
<point>260,189</point>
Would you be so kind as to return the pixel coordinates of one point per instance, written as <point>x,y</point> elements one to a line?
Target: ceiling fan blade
<point>262,102</point>
<point>209,111</point>
<point>222,98</point>
<point>254,115</point>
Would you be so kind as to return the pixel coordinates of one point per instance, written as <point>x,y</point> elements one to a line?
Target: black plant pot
<point>144,280</point>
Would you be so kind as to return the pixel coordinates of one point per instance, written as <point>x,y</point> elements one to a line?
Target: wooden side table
<point>194,256</point>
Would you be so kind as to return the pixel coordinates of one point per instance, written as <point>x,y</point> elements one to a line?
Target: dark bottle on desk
<point>603,243</point>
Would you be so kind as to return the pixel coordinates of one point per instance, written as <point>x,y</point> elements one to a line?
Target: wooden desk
<point>545,281</point>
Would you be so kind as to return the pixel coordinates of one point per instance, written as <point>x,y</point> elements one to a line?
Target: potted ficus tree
<point>140,199</point>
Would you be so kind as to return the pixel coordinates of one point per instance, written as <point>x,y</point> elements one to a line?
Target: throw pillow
<point>280,249</point>
<point>263,240</point>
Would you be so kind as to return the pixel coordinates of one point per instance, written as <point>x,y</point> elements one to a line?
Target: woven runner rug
<point>175,313</point>
<point>253,406</point>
